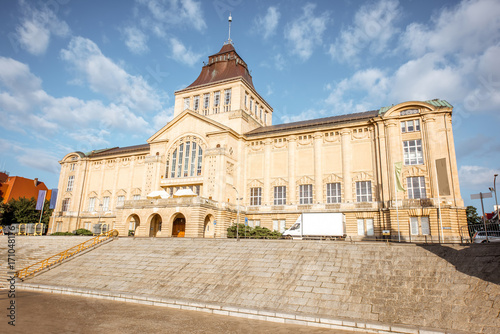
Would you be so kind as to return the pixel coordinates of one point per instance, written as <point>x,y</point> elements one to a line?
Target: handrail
<point>40,265</point>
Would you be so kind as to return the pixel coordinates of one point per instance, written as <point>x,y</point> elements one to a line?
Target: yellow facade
<point>228,145</point>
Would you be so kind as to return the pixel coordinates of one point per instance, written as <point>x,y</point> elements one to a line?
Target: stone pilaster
<point>266,192</point>
<point>318,175</point>
<point>346,165</point>
<point>292,192</point>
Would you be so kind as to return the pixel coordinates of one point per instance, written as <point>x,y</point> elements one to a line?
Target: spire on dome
<point>230,19</point>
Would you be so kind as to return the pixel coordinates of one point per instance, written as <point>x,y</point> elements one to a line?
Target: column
<point>395,153</point>
<point>318,175</point>
<point>292,192</point>
<point>266,192</point>
<point>429,139</point>
<point>346,165</point>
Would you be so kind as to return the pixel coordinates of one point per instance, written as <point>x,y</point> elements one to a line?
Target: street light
<point>238,215</point>
<point>495,190</point>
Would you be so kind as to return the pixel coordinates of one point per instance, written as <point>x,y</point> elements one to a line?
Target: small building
<point>222,145</point>
<point>16,187</point>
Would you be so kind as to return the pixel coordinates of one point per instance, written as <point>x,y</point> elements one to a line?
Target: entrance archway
<point>133,222</point>
<point>179,226</point>
<point>209,227</point>
<point>154,225</point>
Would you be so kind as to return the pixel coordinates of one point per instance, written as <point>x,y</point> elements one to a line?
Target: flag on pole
<point>397,172</point>
<point>53,199</point>
<point>41,199</point>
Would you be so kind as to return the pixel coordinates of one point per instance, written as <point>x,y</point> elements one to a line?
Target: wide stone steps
<point>444,287</point>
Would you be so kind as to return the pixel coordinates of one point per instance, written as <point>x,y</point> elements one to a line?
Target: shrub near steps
<point>435,286</point>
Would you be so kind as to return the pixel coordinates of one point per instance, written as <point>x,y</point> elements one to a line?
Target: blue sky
<point>81,75</point>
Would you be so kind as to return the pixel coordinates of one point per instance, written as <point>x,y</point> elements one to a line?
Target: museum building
<point>390,171</point>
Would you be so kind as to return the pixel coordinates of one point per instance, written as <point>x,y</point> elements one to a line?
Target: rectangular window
<point>246,99</point>
<point>105,203</point>
<point>88,225</point>
<point>276,225</point>
<point>196,102</point>
<point>416,187</point>
<point>410,126</point>
<point>174,158</point>
<point>412,151</point>
<point>251,105</point>
<point>414,225</point>
<point>227,97</point>
<point>92,204</point>
<point>71,181</point>
<point>186,103</point>
<point>369,227</point>
<point>261,113</point>
<point>136,197</point>
<point>216,99</point>
<point>333,194</point>
<point>59,227</point>
<point>424,225</point>
<point>193,158</point>
<point>179,162</point>
<point>361,227</point>
<point>257,222</point>
<point>265,118</point>
<point>120,200</point>
<point>282,225</point>
<point>364,191</point>
<point>206,101</point>
<point>200,157</point>
<point>280,195</point>
<point>72,167</point>
<point>255,196</point>
<point>186,160</point>
<point>65,204</point>
<point>305,194</point>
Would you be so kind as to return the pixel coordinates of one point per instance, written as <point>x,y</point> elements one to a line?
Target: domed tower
<point>224,92</point>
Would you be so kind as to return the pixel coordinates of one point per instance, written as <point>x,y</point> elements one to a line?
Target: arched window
<point>186,160</point>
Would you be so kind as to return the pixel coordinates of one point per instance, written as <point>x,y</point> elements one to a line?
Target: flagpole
<point>397,209</point>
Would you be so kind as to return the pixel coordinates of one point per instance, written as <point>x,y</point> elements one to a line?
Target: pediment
<point>188,122</point>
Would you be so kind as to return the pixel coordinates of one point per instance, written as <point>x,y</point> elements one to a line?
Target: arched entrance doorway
<point>209,227</point>
<point>133,223</point>
<point>154,225</point>
<point>179,226</point>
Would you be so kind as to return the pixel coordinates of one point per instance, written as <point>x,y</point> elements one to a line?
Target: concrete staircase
<point>31,249</point>
<point>453,288</point>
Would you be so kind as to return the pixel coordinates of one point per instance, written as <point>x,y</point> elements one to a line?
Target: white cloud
<point>373,28</point>
<point>306,32</point>
<point>266,25</point>
<point>305,115</point>
<point>183,55</point>
<point>135,40</point>
<point>475,176</point>
<point>36,28</point>
<point>467,28</point>
<point>39,158</point>
<point>162,118</point>
<point>166,13</point>
<point>106,77</point>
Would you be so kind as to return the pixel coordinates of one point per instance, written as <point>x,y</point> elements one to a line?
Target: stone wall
<point>452,288</point>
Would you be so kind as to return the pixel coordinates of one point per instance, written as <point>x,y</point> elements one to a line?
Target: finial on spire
<point>230,20</point>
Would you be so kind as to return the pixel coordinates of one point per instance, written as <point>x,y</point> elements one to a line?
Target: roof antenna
<point>230,20</point>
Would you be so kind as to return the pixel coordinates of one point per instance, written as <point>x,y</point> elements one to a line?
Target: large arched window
<point>186,160</point>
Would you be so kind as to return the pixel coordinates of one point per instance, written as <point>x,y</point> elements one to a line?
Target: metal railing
<point>59,257</point>
<point>467,232</point>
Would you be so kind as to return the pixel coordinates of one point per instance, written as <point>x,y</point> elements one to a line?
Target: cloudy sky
<point>81,75</point>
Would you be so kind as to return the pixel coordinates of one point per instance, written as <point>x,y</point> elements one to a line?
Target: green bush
<point>256,232</point>
<point>82,231</point>
<point>62,233</point>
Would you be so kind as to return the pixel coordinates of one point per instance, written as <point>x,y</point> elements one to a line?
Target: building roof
<point>17,187</point>
<point>223,65</point>
<point>313,123</point>
<point>117,150</point>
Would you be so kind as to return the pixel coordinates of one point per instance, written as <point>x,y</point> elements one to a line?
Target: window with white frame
<point>186,103</point>
<point>305,194</point>
<point>72,167</point>
<point>91,204</point>
<point>365,227</point>
<point>419,225</point>
<point>265,118</point>
<point>136,197</point>
<point>410,126</point>
<point>412,151</point>
<point>186,160</point>
<point>227,96</point>
<point>65,204</point>
<point>333,193</point>
<point>279,225</point>
<point>416,187</point>
<point>246,99</point>
<point>88,225</point>
<point>364,191</point>
<point>216,102</point>
<point>196,103</point>
<point>255,196</point>
<point>251,105</point>
<point>105,203</point>
<point>206,102</point>
<point>71,181</point>
<point>280,195</point>
<point>120,200</point>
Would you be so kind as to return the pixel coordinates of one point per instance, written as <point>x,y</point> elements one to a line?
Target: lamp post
<point>238,215</point>
<point>494,189</point>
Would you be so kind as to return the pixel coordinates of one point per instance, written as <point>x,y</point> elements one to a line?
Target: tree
<point>472,216</point>
<point>23,211</point>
